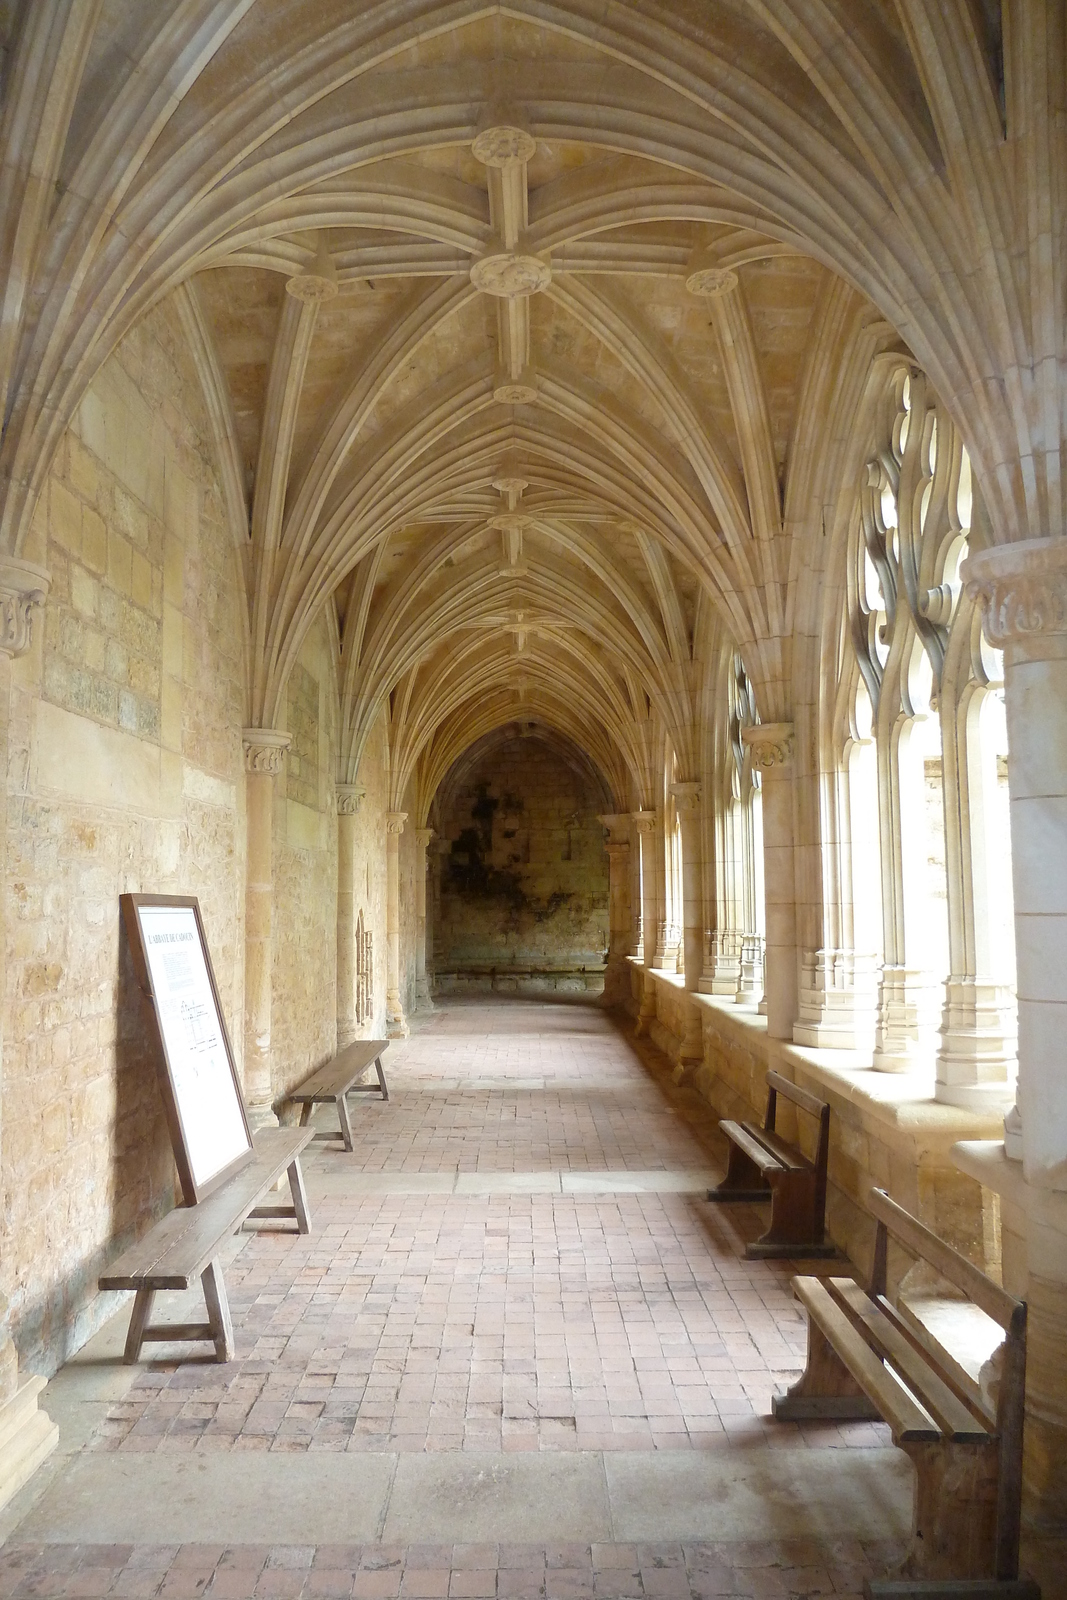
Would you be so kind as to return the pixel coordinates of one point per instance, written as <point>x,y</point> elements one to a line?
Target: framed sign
<point>205,1109</point>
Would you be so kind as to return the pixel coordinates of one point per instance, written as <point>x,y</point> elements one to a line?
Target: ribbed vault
<point>525,330</point>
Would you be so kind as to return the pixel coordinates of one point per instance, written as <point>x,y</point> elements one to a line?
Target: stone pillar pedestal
<point>349,797</point>
<point>617,975</point>
<point>722,962</point>
<point>423,998</point>
<point>1024,590</point>
<point>837,1003</point>
<point>27,1435</point>
<point>771,744</point>
<point>648,833</point>
<point>264,754</point>
<point>395,1021</point>
<point>687,799</point>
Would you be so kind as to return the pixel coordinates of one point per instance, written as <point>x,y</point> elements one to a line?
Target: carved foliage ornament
<point>265,750</point>
<point>349,798</point>
<point>394,822</point>
<point>23,588</point>
<point>1023,587</point>
<point>507,274</point>
<point>771,744</point>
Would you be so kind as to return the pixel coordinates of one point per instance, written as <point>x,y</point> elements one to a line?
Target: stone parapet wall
<point>886,1129</point>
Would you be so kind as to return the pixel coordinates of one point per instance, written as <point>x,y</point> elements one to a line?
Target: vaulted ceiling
<point>526,330</point>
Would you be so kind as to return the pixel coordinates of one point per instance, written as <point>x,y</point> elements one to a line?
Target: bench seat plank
<point>948,1411</point>
<point>787,1156</point>
<point>904,1415</point>
<point>176,1251</point>
<point>745,1137</point>
<point>337,1076</point>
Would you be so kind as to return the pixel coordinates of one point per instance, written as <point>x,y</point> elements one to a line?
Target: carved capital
<point>394,822</point>
<point>771,744</point>
<point>643,821</point>
<point>1023,588</point>
<point>687,796</point>
<point>23,588</point>
<point>617,824</point>
<point>350,797</point>
<point>423,837</point>
<point>265,749</point>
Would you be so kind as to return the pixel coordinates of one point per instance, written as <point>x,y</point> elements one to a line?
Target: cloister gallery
<point>550,520</point>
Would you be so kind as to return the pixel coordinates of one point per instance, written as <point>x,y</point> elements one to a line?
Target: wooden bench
<point>338,1079</point>
<point>184,1245</point>
<point>763,1167</point>
<point>868,1358</point>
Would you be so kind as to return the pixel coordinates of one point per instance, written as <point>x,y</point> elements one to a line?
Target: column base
<point>261,1114</point>
<point>838,1001</point>
<point>903,1042</point>
<point>979,1041</point>
<point>750,971</point>
<point>396,1028</point>
<point>1034,1242</point>
<point>27,1437</point>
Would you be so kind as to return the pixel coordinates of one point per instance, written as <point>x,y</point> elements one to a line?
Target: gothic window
<point>922,734</point>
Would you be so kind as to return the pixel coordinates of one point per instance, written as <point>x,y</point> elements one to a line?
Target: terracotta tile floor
<point>423,1572</point>
<point>497,1321</point>
<point>500,1321</point>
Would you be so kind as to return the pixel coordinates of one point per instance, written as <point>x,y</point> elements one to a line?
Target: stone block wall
<point>124,773</point>
<point>524,886</point>
<point>304,991</point>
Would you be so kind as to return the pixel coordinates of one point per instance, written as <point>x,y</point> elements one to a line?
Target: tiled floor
<point>419,1317</point>
<point>799,1567</point>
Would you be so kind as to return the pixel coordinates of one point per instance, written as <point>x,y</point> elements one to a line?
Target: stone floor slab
<point>478,1498</point>
<point>169,1499</point>
<point>760,1494</point>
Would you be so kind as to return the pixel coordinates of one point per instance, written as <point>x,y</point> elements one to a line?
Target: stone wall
<point>368,864</point>
<point>304,992</point>
<point>524,883</point>
<point>124,774</point>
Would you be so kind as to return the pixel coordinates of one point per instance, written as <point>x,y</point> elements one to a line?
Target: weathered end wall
<point>524,883</point>
<point>124,773</point>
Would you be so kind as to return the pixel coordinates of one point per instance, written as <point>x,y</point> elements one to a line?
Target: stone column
<point>645,823</point>
<point>27,1435</point>
<point>687,799</point>
<point>395,1022</point>
<point>1024,588</point>
<point>771,744</point>
<point>423,999</point>
<point>349,797</point>
<point>617,975</point>
<point>264,755</point>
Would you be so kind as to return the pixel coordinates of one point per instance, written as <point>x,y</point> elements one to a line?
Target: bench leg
<point>825,1389</point>
<point>794,1230</point>
<point>346,1126</point>
<point>955,1510</point>
<point>381,1078</point>
<point>305,1113</point>
<point>300,1199</point>
<point>743,1180</point>
<point>142,1305</point>
<point>218,1310</point>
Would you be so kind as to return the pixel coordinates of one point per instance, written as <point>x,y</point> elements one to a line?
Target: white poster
<point>196,1049</point>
